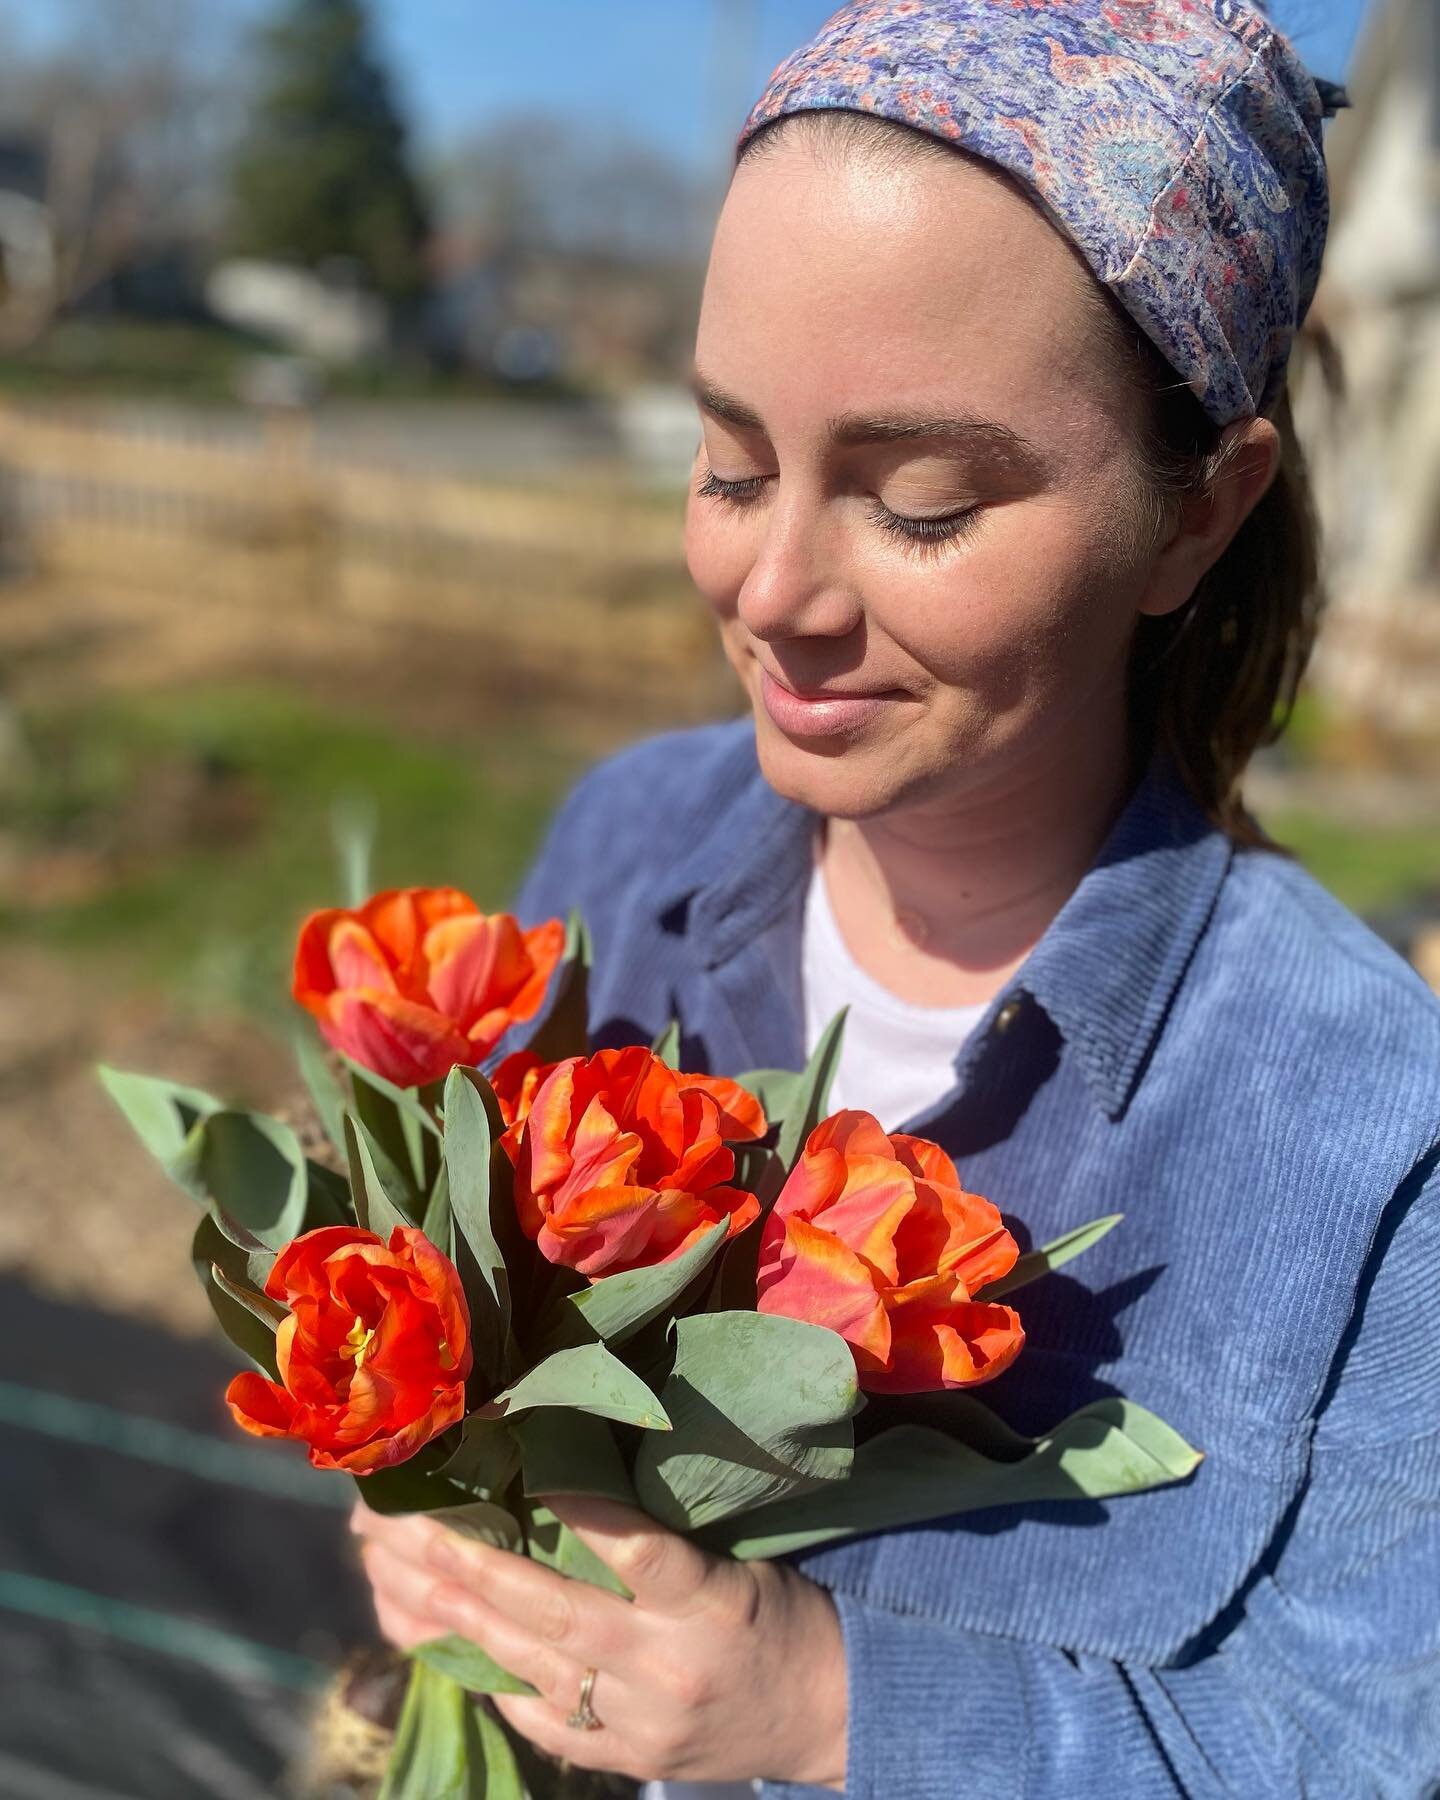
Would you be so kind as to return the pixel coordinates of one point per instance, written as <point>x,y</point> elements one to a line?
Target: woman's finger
<point>402,1584</point>
<point>544,1725</point>
<point>406,1535</point>
<point>579,1621</point>
<point>398,1627</point>
<point>664,1571</point>
<point>554,1675</point>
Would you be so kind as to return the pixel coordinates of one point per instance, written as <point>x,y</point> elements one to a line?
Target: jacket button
<point>1007,1015</point>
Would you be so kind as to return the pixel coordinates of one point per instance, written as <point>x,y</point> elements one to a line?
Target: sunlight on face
<point>909,509</point>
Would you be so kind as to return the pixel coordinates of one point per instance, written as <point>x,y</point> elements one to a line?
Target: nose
<point>797,585</point>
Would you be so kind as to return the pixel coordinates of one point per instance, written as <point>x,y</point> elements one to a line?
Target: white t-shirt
<point>896,1060</point>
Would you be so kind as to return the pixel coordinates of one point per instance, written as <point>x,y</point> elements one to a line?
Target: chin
<point>843,779</point>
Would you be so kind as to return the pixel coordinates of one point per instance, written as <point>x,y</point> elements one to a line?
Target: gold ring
<point>583,1718</point>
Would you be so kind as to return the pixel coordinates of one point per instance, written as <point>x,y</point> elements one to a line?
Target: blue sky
<point>678,72</point>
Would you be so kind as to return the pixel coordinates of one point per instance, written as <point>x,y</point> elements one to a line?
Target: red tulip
<point>620,1162</point>
<point>874,1237</point>
<point>419,979</point>
<point>374,1356</point>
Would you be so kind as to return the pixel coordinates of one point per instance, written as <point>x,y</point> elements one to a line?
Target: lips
<point>821,712</point>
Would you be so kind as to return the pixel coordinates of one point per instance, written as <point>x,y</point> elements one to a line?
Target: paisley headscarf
<point>1176,142</point>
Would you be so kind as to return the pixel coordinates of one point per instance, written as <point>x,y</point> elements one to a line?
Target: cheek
<point>719,552</point>
<point>1036,606</point>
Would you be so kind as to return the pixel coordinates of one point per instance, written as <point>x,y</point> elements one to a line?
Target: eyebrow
<point>959,431</point>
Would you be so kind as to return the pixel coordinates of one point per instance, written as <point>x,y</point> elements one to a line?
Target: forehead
<point>844,280</point>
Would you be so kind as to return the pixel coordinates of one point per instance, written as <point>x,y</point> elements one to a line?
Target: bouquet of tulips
<point>598,1274</point>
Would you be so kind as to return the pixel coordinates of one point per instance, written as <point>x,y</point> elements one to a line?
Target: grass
<point>108,357</point>
<point>217,813</point>
<point>1369,870</point>
<point>213,820</point>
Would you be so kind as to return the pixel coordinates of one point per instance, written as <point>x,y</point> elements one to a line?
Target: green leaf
<point>260,1306</point>
<point>615,1307</point>
<point>253,1339</point>
<point>253,1169</point>
<point>324,1090</point>
<point>777,1090</point>
<point>1051,1256</point>
<point>402,1099</point>
<point>397,1124</point>
<point>667,1045</point>
<point>238,1252</point>
<point>460,1661</point>
<point>432,1759</point>
<point>377,1208</point>
<point>163,1115</point>
<point>327,1197</point>
<point>484,1521</point>
<point>589,1380</point>
<point>565,1028</point>
<point>485,1461</point>
<point>409,1487</point>
<point>812,1098</point>
<point>500,1754</point>
<point>760,1407</point>
<point>557,1547</point>
<point>470,1150</point>
<point>913,1473</point>
<point>438,1223</point>
<point>571,1453</point>
<point>353,828</point>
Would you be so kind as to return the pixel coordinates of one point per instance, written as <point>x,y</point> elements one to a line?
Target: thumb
<point>664,1572</point>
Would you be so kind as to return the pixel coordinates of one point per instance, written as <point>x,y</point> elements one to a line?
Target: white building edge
<point>1376,458</point>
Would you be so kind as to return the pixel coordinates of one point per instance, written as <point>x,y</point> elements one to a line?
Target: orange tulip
<point>621,1162</point>
<point>374,1355</point>
<point>874,1237</point>
<point>419,979</point>
<point>516,1081</point>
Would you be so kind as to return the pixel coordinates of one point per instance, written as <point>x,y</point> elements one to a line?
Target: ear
<point>1205,525</point>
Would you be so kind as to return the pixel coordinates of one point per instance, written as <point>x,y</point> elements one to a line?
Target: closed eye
<point>935,529</point>
<point>739,493</point>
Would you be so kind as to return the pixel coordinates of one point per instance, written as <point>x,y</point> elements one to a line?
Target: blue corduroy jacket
<point>1207,1042</point>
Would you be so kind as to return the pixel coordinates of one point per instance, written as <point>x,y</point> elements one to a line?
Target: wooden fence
<point>588,579</point>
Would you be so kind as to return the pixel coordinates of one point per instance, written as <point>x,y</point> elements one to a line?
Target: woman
<point>999,514</point>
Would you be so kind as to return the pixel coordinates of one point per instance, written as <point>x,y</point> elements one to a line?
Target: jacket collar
<point>1106,969</point>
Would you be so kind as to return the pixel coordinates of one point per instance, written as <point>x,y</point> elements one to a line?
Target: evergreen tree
<point>324,171</point>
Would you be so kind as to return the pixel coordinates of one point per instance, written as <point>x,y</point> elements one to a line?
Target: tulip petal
<point>944,1344</point>
<point>260,1406</point>
<point>435,1274</point>
<point>805,1273</point>
<point>982,1259</point>
<point>385,1452</point>
<point>357,961</point>
<point>474,963</point>
<point>741,1115</point>
<point>405,1042</point>
<point>313,978</point>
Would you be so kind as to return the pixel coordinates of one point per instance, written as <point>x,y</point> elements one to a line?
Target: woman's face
<point>912,505</point>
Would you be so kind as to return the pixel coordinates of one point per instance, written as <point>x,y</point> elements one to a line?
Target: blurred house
<point>325,315</point>
<point>1377,459</point>
<point>521,313</point>
<point>28,251</point>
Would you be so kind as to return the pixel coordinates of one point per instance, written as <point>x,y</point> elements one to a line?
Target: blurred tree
<point>323,172</point>
<point>111,131</point>
<point>533,182</point>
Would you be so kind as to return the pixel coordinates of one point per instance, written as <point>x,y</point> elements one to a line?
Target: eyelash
<point>917,534</point>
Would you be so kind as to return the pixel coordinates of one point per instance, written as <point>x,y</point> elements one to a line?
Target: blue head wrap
<point>1176,142</point>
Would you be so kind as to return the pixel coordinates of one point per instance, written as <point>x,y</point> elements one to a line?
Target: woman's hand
<point>716,1670</point>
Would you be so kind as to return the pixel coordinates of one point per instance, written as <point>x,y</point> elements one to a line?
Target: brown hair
<point>1215,680</point>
